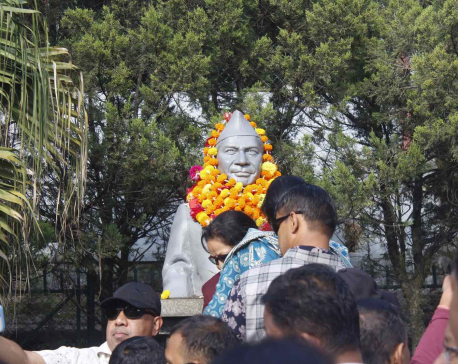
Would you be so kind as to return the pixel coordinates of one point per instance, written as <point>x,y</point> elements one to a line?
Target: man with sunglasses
<point>134,310</point>
<point>304,218</point>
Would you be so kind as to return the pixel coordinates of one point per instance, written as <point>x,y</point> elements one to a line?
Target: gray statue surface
<point>186,265</point>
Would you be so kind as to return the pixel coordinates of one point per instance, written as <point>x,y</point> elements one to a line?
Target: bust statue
<point>239,152</point>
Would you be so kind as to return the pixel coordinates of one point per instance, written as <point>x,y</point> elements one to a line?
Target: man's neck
<point>315,239</point>
<point>352,356</point>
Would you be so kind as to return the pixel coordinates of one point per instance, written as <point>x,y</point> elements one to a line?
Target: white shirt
<point>68,355</point>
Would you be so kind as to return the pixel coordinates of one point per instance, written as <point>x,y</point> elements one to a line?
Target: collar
<point>292,252</point>
<point>103,349</point>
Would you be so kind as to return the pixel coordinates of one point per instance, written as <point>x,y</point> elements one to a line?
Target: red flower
<point>266,227</point>
<point>195,207</point>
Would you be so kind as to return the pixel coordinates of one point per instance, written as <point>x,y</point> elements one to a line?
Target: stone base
<point>176,309</point>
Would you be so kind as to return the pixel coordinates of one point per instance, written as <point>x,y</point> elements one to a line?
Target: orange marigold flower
<point>255,200</point>
<point>206,164</point>
<point>212,195</point>
<point>207,158</point>
<point>256,214</point>
<point>225,208</point>
<point>212,142</point>
<point>264,139</point>
<point>241,202</point>
<point>219,126</point>
<point>237,208</point>
<point>231,183</point>
<point>234,193</point>
<point>253,124</point>
<point>215,172</point>
<point>201,183</point>
<point>267,147</point>
<point>196,191</point>
<point>213,162</point>
<point>206,149</point>
<point>201,198</point>
<point>215,134</point>
<point>277,174</point>
<point>247,117</point>
<point>266,174</point>
<point>267,158</point>
<point>219,201</point>
<point>210,209</point>
<point>261,182</point>
<point>248,210</point>
<point>218,212</point>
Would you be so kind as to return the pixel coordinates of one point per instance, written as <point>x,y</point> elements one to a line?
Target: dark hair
<point>230,227</point>
<point>272,351</point>
<point>138,350</point>
<point>455,265</point>
<point>313,299</point>
<point>382,330</point>
<point>316,205</point>
<point>275,193</point>
<point>204,337</point>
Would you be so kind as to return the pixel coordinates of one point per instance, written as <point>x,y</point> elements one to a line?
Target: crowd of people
<point>285,296</point>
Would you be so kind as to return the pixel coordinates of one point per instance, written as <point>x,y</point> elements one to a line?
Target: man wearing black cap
<point>134,310</point>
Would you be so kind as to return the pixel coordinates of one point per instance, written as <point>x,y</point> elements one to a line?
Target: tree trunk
<point>413,292</point>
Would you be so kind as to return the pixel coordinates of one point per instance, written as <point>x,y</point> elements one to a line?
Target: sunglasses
<point>277,222</point>
<point>217,258</point>
<point>130,312</point>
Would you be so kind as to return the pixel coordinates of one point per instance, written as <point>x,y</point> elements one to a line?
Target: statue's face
<point>240,157</point>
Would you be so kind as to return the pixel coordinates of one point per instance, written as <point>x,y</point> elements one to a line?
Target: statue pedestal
<point>176,309</point>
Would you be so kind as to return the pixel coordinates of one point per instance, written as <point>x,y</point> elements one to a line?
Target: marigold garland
<point>213,193</point>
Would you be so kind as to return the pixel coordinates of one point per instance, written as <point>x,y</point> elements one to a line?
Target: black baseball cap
<point>136,294</point>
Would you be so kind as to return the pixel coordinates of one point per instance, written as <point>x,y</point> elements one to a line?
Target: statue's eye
<point>230,150</point>
<point>253,152</point>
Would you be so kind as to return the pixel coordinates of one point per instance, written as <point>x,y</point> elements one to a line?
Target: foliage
<point>42,131</point>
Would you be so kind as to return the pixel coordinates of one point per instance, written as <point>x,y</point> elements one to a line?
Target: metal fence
<point>62,308</point>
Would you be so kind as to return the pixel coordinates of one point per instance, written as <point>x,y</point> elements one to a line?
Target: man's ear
<point>396,356</point>
<point>157,324</point>
<point>311,339</point>
<point>294,223</point>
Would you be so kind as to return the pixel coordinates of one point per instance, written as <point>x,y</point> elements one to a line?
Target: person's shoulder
<point>256,271</point>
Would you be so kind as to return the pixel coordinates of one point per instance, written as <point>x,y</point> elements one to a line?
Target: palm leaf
<point>43,124</point>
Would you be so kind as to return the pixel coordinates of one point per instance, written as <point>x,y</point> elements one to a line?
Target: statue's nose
<point>241,158</point>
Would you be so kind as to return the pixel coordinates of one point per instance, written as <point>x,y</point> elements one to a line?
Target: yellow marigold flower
<point>215,134</point>
<point>214,151</point>
<point>207,188</point>
<point>212,142</point>
<point>216,185</point>
<point>264,138</point>
<point>225,208</point>
<point>200,198</point>
<point>270,167</point>
<point>259,221</point>
<point>267,158</point>
<point>206,203</point>
<point>229,202</point>
<point>224,193</point>
<point>260,131</point>
<point>189,197</point>
<point>206,164</point>
<point>165,294</point>
<point>247,117</point>
<point>255,200</point>
<point>210,209</point>
<point>231,183</point>
<point>238,186</point>
<point>219,126</point>
<point>261,200</point>
<point>234,193</point>
<point>218,212</point>
<point>196,191</point>
<point>222,177</point>
<point>253,124</point>
<point>201,184</point>
<point>215,172</point>
<point>212,194</point>
<point>201,215</point>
